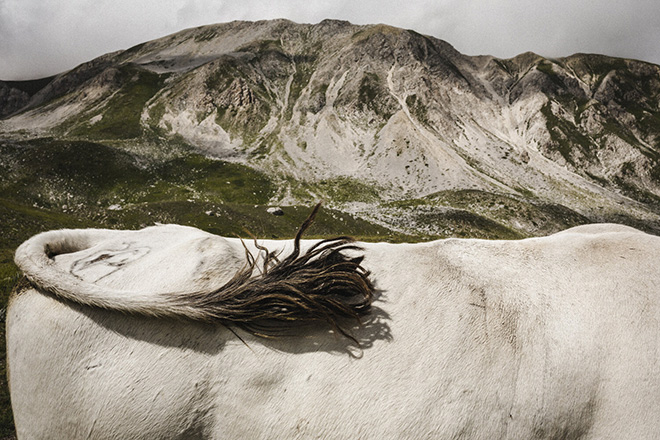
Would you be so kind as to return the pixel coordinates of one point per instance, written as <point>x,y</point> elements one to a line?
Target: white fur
<point>553,337</point>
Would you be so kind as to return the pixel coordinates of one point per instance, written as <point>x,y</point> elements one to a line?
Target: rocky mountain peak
<point>404,112</point>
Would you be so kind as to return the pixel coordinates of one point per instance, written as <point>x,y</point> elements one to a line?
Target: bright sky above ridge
<point>39,38</point>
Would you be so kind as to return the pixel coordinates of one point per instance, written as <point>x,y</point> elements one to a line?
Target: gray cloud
<point>41,38</point>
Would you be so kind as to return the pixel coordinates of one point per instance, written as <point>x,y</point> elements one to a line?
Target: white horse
<point>159,333</point>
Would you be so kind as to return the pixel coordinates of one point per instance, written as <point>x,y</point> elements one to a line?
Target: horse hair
<point>323,285</point>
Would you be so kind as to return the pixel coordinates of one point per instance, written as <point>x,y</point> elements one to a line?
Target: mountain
<point>396,127</point>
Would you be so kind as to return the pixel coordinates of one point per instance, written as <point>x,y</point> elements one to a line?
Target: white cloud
<point>38,38</point>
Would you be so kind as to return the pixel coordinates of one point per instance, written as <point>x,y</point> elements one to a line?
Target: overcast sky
<point>39,38</point>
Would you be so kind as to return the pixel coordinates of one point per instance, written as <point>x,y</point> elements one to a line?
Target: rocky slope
<point>385,113</point>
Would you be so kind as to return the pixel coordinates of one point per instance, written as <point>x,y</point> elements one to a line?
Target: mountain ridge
<point>403,112</point>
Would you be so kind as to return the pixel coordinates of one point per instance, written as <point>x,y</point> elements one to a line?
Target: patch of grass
<point>613,127</point>
<point>517,217</point>
<point>246,121</point>
<point>217,180</point>
<point>582,105</point>
<point>305,64</point>
<point>372,95</point>
<point>205,35</point>
<point>635,192</point>
<point>224,73</point>
<point>378,29</point>
<point>565,137</point>
<point>233,219</point>
<point>121,115</point>
<point>368,89</point>
<point>546,67</point>
<point>21,221</point>
<point>156,113</point>
<point>262,47</point>
<point>418,109</point>
<point>88,177</point>
<point>632,84</point>
<point>600,65</point>
<point>317,97</point>
<point>348,189</point>
<point>466,224</point>
<point>505,65</point>
<point>70,172</point>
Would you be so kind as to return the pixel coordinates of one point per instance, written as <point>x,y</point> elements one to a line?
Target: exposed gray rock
<point>380,104</point>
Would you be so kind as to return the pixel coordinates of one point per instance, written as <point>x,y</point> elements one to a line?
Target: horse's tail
<point>35,258</point>
<point>322,284</point>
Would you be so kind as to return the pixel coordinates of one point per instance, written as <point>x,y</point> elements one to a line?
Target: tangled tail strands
<point>322,285</point>
<point>325,284</point>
